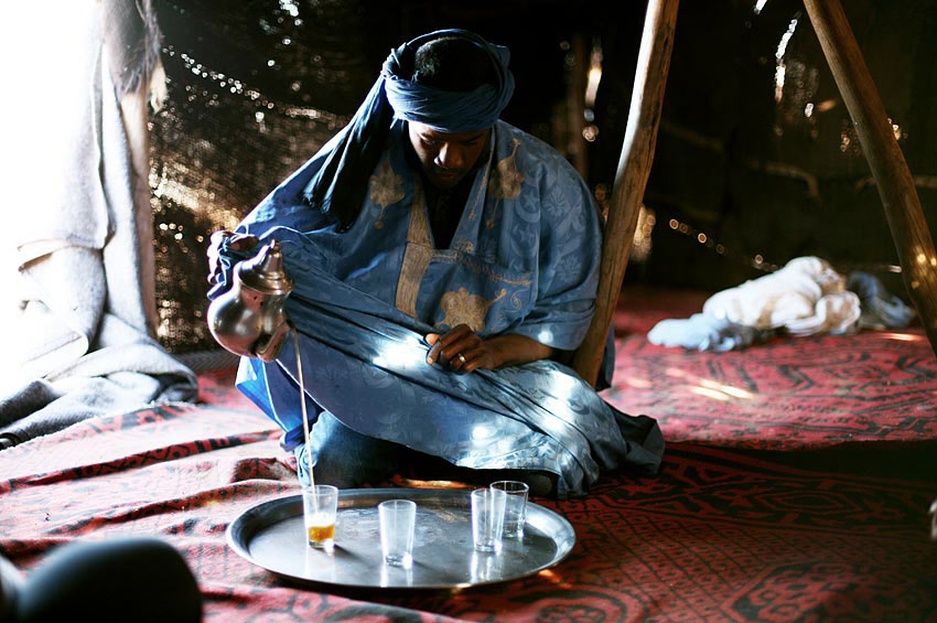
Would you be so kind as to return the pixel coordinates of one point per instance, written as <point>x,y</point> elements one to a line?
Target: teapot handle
<point>269,345</point>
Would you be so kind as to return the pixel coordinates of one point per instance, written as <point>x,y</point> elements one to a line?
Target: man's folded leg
<point>345,458</point>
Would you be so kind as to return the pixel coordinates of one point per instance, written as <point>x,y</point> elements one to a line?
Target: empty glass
<point>487,518</point>
<point>398,528</point>
<point>515,507</point>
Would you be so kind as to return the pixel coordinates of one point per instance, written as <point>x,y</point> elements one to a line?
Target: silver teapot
<point>249,319</point>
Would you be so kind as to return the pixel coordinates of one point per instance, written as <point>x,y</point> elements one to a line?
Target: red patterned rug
<point>795,487</point>
<point>719,535</point>
<point>787,393</point>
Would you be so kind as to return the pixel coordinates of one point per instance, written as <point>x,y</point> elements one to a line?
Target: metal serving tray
<point>271,535</point>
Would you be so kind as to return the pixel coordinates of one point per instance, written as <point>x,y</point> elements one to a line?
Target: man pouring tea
<point>444,266</point>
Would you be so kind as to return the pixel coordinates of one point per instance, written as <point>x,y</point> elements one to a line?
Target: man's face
<point>446,158</point>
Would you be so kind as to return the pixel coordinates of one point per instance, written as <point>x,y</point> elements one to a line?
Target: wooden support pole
<point>906,220</point>
<point>634,167</point>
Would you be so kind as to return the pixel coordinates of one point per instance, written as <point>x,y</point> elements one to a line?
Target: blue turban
<point>448,111</point>
<point>338,187</point>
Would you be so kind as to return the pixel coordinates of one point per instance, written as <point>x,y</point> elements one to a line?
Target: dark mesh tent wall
<point>253,91</point>
<point>758,152</point>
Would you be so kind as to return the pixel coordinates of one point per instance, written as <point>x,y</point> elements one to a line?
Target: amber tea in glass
<point>320,508</point>
<point>320,534</point>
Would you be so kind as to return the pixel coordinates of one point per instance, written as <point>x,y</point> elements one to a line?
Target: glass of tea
<point>320,508</point>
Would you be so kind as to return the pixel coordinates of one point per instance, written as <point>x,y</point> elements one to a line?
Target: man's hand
<point>236,242</point>
<point>463,350</point>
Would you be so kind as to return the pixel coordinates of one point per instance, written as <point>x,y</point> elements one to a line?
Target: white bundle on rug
<point>805,297</point>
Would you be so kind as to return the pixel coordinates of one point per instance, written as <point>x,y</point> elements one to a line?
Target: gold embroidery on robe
<point>416,257</point>
<point>386,188</point>
<point>479,197</point>
<point>506,181</point>
<point>463,307</point>
<point>463,246</point>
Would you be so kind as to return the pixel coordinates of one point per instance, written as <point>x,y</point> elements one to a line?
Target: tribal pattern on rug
<point>718,535</point>
<point>788,393</point>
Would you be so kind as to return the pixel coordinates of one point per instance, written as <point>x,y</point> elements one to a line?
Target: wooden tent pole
<point>634,167</point>
<point>906,220</point>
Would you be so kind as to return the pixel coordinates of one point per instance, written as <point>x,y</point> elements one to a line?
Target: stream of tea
<point>319,529</point>
<point>302,404</point>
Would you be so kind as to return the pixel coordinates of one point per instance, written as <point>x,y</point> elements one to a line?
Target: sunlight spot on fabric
<point>483,431</point>
<point>639,383</point>
<point>399,355</point>
<point>901,337</point>
<point>676,372</point>
<point>554,578</point>
<point>563,384</point>
<point>710,388</point>
<point>563,388</point>
<point>730,390</point>
<point>709,393</point>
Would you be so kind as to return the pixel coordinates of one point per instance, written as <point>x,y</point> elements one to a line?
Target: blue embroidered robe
<point>524,259</point>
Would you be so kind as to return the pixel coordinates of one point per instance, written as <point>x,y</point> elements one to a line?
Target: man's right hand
<point>236,242</point>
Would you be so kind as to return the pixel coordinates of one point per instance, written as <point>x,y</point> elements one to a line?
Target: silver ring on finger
<point>461,358</point>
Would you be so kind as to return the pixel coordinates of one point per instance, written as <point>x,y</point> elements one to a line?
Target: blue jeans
<point>345,458</point>
<point>348,460</point>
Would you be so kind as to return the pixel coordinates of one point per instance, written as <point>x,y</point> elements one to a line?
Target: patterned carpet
<point>789,394</point>
<point>717,536</point>
<point>786,394</point>
<point>796,486</point>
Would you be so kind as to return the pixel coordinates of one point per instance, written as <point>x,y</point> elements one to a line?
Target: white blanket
<point>805,297</point>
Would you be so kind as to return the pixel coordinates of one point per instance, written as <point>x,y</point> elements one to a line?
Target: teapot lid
<point>264,272</point>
